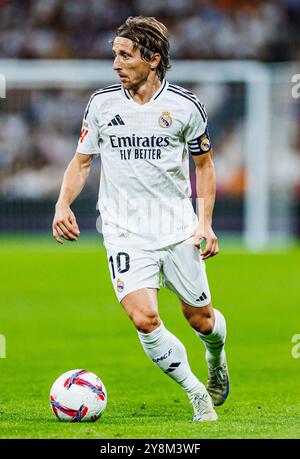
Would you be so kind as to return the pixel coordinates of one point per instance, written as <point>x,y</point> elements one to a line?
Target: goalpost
<point>258,119</point>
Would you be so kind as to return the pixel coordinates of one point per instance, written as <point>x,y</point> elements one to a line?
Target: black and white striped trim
<point>189,96</point>
<point>194,147</point>
<point>112,88</point>
<point>172,367</point>
<point>200,145</point>
<point>159,93</point>
<point>127,94</point>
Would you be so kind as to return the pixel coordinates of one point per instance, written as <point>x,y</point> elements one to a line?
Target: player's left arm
<point>206,193</point>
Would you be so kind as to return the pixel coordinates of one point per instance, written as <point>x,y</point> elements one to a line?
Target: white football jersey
<point>145,192</point>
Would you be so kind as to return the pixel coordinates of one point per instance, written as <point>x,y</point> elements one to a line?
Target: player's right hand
<point>64,225</point>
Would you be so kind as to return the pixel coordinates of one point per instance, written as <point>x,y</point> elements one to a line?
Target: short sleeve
<point>89,138</point>
<point>196,132</point>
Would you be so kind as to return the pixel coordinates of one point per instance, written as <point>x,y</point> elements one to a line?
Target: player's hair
<point>150,36</point>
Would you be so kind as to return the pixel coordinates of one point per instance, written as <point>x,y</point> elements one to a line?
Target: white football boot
<point>203,408</point>
<point>218,383</point>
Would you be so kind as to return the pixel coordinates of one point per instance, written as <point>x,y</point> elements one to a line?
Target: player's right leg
<point>135,277</point>
<point>165,350</point>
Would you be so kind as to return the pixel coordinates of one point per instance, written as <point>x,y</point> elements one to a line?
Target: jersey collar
<point>156,95</point>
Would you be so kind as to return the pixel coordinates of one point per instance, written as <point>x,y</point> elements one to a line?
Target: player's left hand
<point>211,242</point>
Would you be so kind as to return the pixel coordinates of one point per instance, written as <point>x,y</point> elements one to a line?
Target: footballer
<point>144,129</point>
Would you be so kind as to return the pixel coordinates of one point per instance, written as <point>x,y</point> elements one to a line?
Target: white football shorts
<point>178,266</point>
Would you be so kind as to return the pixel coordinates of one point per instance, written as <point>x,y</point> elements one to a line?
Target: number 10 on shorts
<point>121,264</point>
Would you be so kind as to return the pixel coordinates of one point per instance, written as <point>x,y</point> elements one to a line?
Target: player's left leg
<point>210,325</point>
<point>166,350</point>
<point>135,277</point>
<point>184,274</point>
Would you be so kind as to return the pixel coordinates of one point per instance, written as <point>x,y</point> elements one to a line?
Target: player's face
<point>129,65</point>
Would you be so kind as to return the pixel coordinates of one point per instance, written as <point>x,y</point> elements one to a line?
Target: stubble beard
<point>135,85</point>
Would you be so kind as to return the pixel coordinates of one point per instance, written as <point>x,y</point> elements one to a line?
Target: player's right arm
<point>64,222</point>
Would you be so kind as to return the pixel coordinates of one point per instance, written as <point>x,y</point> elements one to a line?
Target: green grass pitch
<point>59,312</point>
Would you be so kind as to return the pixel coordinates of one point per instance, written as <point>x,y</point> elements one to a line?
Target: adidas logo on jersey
<point>117,120</point>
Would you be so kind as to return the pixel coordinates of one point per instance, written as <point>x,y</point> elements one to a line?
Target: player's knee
<point>201,324</point>
<point>146,322</point>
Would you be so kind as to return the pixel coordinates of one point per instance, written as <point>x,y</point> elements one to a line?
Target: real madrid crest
<point>120,285</point>
<point>165,120</point>
<point>205,144</point>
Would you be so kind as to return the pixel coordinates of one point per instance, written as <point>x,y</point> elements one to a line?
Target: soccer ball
<point>78,396</point>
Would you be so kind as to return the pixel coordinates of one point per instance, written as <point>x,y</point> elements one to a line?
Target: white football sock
<point>169,354</point>
<point>215,341</point>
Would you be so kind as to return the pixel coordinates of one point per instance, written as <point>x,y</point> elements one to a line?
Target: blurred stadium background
<point>237,56</point>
